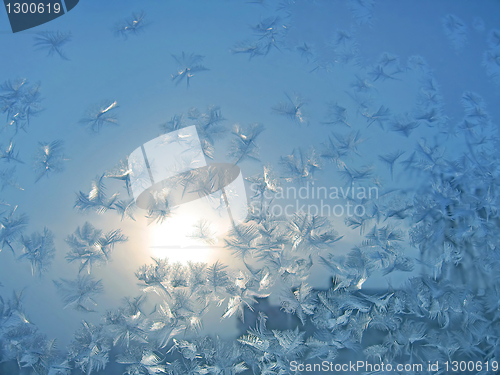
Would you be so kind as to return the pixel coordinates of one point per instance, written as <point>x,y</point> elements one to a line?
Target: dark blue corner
<point>24,14</point>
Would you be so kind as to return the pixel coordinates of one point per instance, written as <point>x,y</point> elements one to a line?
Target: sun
<point>171,239</point>
<point>178,237</point>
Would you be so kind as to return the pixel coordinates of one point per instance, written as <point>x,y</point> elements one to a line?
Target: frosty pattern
<point>316,113</point>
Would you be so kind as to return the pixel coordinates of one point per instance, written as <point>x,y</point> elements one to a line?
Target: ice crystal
<point>337,115</point>
<point>78,293</point>
<point>141,362</point>
<point>333,153</point>
<point>49,158</point>
<point>20,101</point>
<point>251,48</point>
<point>39,250</point>
<point>311,232</point>
<point>209,126</point>
<point>53,42</point>
<point>306,51</point>
<point>241,240</point>
<point>404,125</point>
<point>7,178</point>
<point>379,116</point>
<point>270,33</point>
<point>100,115</point>
<point>11,228</point>
<point>121,172</point>
<point>160,208</point>
<point>362,11</point>
<point>268,182</point>
<point>448,213</point>
<point>243,297</point>
<point>189,64</point>
<point>90,348</point>
<point>298,167</point>
<point>244,144</point>
<point>96,200</point>
<point>349,143</point>
<point>491,61</point>
<point>91,246</point>
<point>390,159</point>
<point>125,208</point>
<point>132,25</point>
<point>10,153</point>
<point>342,37</point>
<point>299,302</point>
<point>455,30</point>
<point>204,233</point>
<point>478,24</point>
<point>383,73</point>
<point>292,108</point>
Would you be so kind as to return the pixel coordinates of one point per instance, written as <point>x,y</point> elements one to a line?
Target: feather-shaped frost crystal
<point>97,199</point>
<point>292,108</point>
<point>188,65</point>
<point>154,277</point>
<point>267,182</point>
<point>79,293</point>
<point>100,115</point>
<point>141,361</point>
<point>217,277</point>
<point>241,240</point>
<point>403,125</point>
<point>49,158</point>
<point>20,101</point>
<point>39,250</point>
<point>7,178</point>
<point>390,159</point>
<point>121,172</point>
<point>455,30</point>
<point>362,11</point>
<point>349,143</point>
<point>361,84</point>
<point>306,51</point>
<point>491,61</point>
<point>244,145</point>
<point>251,48</point>
<point>299,167</point>
<point>132,25</point>
<point>204,233</point>
<point>383,73</point>
<point>299,301</point>
<point>333,153</point>
<point>91,246</point>
<point>11,228</point>
<point>53,42</point>
<point>337,115</point>
<point>125,208</point>
<point>90,348</point>
<point>311,232</point>
<point>160,207</point>
<point>9,153</point>
<point>270,32</point>
<point>342,37</point>
<point>379,116</point>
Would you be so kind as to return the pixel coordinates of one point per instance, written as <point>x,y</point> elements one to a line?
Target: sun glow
<point>193,233</point>
<point>173,239</point>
